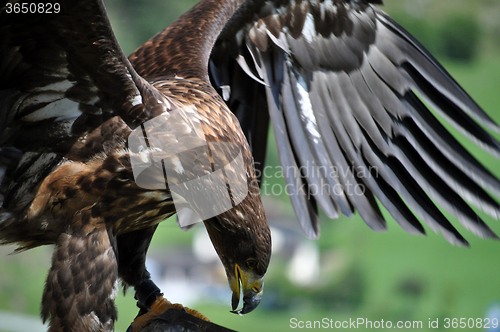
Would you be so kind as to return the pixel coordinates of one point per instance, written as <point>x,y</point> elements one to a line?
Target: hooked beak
<point>252,291</point>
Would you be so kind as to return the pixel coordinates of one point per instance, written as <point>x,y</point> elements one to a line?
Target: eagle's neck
<point>184,48</point>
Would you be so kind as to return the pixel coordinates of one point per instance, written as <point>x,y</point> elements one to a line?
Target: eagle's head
<point>242,239</point>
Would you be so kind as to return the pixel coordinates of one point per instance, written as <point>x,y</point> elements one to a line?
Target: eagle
<point>96,147</point>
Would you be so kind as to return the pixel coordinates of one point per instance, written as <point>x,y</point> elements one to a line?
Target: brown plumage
<point>336,78</point>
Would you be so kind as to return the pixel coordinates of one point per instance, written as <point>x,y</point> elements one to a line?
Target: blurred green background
<point>390,276</point>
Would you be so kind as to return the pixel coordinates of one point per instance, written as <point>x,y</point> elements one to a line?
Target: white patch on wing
<point>137,100</point>
<point>94,323</point>
<point>61,109</point>
<point>167,104</point>
<point>309,30</point>
<point>330,6</point>
<point>322,10</point>
<point>226,92</point>
<point>41,98</point>
<point>177,165</point>
<point>307,112</point>
<point>144,156</point>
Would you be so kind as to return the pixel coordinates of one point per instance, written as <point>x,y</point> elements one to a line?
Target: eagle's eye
<point>252,263</point>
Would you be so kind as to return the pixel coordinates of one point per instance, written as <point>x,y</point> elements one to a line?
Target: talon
<point>195,313</point>
<point>159,307</point>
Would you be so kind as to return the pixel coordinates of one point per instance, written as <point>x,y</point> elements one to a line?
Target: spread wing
<point>66,91</point>
<point>350,95</point>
